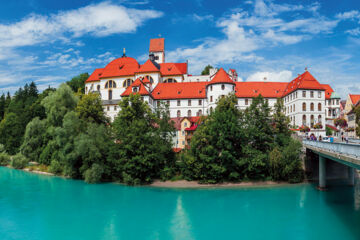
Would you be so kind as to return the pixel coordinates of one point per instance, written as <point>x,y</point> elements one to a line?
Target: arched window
<point>150,79</point>
<point>189,113</point>
<point>294,107</point>
<point>178,113</point>
<point>98,87</point>
<point>319,107</point>
<point>200,112</point>
<point>110,84</point>
<point>304,107</point>
<point>320,119</point>
<point>170,80</point>
<point>312,120</point>
<point>304,120</point>
<point>222,86</point>
<point>110,94</point>
<point>311,106</point>
<point>127,82</point>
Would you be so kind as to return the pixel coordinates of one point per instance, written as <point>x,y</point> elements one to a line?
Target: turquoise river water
<point>43,207</point>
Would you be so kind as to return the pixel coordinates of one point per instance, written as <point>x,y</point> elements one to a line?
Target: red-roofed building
<point>306,101</point>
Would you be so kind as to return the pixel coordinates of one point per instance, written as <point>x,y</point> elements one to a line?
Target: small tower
<point>157,50</point>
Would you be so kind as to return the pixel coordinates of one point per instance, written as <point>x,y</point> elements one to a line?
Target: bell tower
<point>157,50</point>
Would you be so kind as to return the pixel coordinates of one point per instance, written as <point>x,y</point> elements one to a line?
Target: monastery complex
<point>307,101</point>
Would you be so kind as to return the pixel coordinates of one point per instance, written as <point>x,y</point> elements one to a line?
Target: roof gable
<point>137,83</point>
<point>328,90</point>
<point>355,98</point>
<point>221,77</point>
<point>170,69</point>
<point>95,76</point>
<point>149,66</point>
<point>303,81</point>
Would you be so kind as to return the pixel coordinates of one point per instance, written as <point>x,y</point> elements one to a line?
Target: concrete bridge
<point>345,154</point>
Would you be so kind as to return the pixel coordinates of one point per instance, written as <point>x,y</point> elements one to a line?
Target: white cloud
<point>282,76</point>
<point>354,32</point>
<point>99,20</point>
<point>201,18</point>
<point>352,15</point>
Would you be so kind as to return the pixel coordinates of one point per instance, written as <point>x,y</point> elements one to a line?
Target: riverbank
<point>194,184</point>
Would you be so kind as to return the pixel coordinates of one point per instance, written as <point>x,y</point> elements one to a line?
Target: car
<point>326,139</point>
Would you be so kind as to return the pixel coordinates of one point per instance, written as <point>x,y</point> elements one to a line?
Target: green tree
<point>206,70</point>
<point>280,123</point>
<point>357,119</point>
<point>140,154</point>
<point>90,108</point>
<point>58,104</point>
<point>2,106</point>
<point>11,132</point>
<point>78,82</point>
<point>216,145</point>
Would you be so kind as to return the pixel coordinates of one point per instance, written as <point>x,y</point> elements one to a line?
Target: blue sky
<point>50,41</point>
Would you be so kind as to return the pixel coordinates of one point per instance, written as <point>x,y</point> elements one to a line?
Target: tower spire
<point>124,52</point>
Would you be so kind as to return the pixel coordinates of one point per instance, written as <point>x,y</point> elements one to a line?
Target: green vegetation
<point>357,119</point>
<point>234,145</point>
<point>329,131</point>
<point>67,133</point>
<point>77,83</point>
<point>206,70</point>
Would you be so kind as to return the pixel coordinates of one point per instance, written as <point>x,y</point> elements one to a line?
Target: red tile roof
<point>124,66</point>
<point>177,150</point>
<point>354,98</point>
<point>149,66</point>
<point>328,90</point>
<point>177,122</point>
<point>170,69</point>
<point>254,89</point>
<point>179,90</point>
<point>157,45</point>
<point>303,81</point>
<point>221,77</point>
<point>95,76</point>
<point>137,83</point>
<point>146,80</point>
<point>332,127</point>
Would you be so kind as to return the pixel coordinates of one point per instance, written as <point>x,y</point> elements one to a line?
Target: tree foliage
<point>206,70</point>
<point>77,83</point>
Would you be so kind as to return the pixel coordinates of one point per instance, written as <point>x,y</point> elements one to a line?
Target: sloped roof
<point>221,77</point>
<point>149,66</point>
<point>137,83</point>
<point>354,98</point>
<point>124,66</point>
<point>157,45</point>
<point>179,90</point>
<point>303,81</point>
<point>170,69</point>
<point>328,90</point>
<point>95,76</point>
<point>254,89</point>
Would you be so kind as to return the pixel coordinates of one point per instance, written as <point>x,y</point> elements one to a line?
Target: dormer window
<point>135,89</point>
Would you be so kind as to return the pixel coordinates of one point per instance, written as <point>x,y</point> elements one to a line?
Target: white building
<point>307,102</point>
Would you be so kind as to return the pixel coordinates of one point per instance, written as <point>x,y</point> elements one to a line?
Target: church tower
<point>157,50</point>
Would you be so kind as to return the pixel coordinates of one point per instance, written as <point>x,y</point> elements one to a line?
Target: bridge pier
<point>351,175</point>
<point>322,172</point>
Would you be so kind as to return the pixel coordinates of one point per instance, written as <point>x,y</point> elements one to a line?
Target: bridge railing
<point>342,148</point>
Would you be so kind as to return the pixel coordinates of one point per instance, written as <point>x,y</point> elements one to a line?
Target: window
<point>170,80</point>
<point>319,94</point>
<point>222,86</point>
<point>311,106</point>
<point>304,94</point>
<point>294,107</point>
<point>319,107</point>
<point>110,84</point>
<point>135,89</point>
<point>337,102</point>
<point>183,142</point>
<point>115,108</point>
<point>295,94</point>
<point>178,113</point>
<point>110,94</point>
<point>183,133</point>
<point>189,113</point>
<point>290,108</point>
<point>200,112</point>
<point>150,79</point>
<point>320,119</point>
<point>312,94</point>
<point>211,88</point>
<point>178,102</point>
<point>189,102</point>
<point>127,83</point>
<point>98,87</point>
<point>200,102</point>
<point>108,108</point>
<point>304,107</point>
<point>211,98</point>
<point>185,124</point>
<point>304,120</point>
<point>246,101</point>
<point>312,121</point>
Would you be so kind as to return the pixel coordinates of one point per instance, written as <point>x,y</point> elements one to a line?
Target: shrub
<point>4,159</point>
<point>2,148</point>
<point>19,161</point>
<point>94,174</point>
<point>55,167</point>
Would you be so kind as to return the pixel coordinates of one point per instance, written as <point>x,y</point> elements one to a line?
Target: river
<point>44,207</point>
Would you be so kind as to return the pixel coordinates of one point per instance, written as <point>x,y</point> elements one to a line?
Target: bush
<point>19,161</point>
<point>4,159</point>
<point>55,167</point>
<point>94,174</point>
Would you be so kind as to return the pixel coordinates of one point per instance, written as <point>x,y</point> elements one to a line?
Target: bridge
<point>345,154</point>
